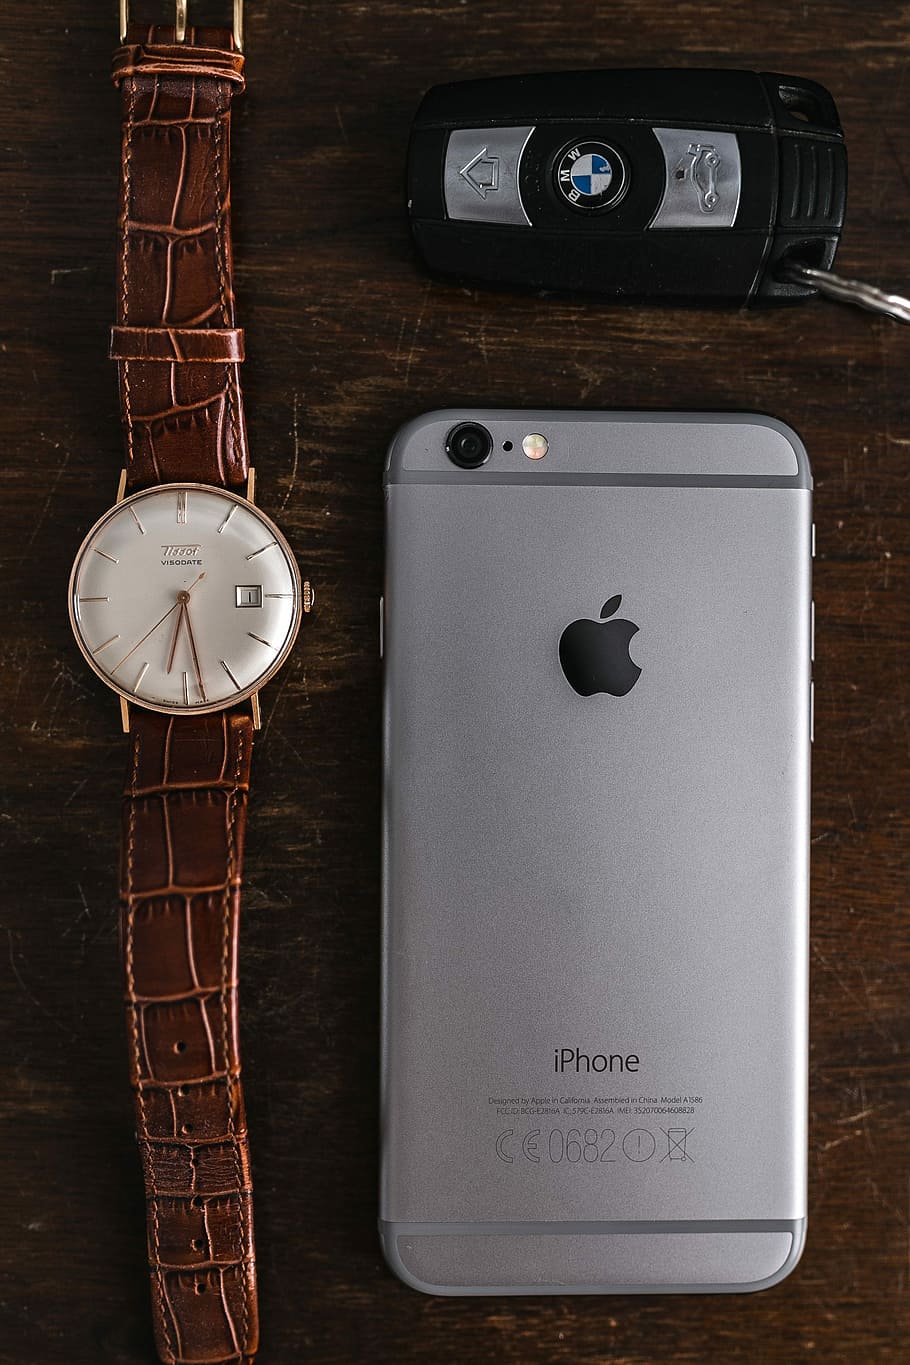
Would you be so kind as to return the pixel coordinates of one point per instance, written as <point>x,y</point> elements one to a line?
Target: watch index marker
<point>104,555</point>
<point>94,599</point>
<point>253,636</point>
<point>142,672</point>
<point>181,507</point>
<point>231,510</point>
<point>106,643</point>
<point>262,549</point>
<point>230,674</point>
<point>139,525</point>
<point>186,690</point>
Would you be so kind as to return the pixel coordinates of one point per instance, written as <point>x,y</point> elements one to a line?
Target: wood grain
<point>346,338</point>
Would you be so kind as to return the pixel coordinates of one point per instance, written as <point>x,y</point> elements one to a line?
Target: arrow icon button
<point>482,173</point>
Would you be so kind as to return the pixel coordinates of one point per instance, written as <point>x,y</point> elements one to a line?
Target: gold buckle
<point>180,20</point>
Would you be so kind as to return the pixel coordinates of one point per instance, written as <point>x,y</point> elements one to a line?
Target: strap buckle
<point>180,20</point>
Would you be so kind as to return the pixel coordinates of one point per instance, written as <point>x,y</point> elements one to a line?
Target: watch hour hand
<point>180,615</point>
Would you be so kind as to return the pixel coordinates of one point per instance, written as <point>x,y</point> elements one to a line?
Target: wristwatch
<point>185,599</point>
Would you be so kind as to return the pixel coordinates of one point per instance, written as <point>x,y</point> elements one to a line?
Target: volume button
<point>812,630</point>
<point>812,713</point>
<point>381,627</point>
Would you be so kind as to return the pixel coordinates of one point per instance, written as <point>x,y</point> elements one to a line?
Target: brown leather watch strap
<point>183,834</point>
<point>182,421</point>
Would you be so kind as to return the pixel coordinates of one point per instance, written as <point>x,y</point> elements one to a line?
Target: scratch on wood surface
<point>482,345</point>
<point>47,502</point>
<point>895,155</point>
<point>856,1118</point>
<point>76,790</point>
<point>417,326</point>
<point>62,681</point>
<point>84,913</point>
<point>344,131</point>
<point>69,270</point>
<point>885,1203</point>
<point>397,355</point>
<point>862,1004</point>
<point>864,1116</point>
<point>296,432</point>
<point>837,1142</point>
<point>30,994</point>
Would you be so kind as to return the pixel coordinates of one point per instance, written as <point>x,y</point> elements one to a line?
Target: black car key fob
<point>680,186</point>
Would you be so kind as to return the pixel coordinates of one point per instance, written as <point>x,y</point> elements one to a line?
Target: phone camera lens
<point>469,445</point>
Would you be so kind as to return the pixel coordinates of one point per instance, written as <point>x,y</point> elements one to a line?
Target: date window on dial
<point>248,595</point>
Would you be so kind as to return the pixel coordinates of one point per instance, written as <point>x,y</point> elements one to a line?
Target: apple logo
<point>595,654</point>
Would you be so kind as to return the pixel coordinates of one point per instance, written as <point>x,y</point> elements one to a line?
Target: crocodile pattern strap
<point>176,343</point>
<point>183,832</point>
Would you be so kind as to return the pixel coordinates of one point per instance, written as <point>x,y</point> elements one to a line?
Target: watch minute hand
<point>192,639</point>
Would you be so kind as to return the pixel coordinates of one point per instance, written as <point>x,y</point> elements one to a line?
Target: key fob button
<point>704,179</point>
<point>481,175</point>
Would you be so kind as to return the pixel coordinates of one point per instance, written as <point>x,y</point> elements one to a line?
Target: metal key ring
<point>848,291</point>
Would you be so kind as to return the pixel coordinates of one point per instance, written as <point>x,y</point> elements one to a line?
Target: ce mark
<point>529,1147</point>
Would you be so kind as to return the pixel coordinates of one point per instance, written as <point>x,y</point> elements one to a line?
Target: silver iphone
<point>597,642</point>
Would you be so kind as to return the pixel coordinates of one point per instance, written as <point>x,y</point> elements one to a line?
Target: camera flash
<point>535,446</point>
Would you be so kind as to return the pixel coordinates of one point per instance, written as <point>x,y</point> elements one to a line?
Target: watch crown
<point>309,596</point>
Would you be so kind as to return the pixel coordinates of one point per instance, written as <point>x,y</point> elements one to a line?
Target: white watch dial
<point>185,597</point>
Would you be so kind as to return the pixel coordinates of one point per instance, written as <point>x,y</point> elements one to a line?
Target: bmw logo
<point>591,175</point>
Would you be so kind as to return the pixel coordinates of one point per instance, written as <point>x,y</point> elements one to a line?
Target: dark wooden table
<point>346,339</point>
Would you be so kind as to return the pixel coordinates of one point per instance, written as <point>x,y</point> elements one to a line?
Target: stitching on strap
<point>222,114</point>
<point>233,804</point>
<point>125,247</point>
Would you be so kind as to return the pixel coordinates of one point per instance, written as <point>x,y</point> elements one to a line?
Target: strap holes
<point>180,1047</point>
<point>200,1286</point>
<point>198,1244</point>
<point>182,1091</point>
<point>186,1128</point>
<point>198,1202</point>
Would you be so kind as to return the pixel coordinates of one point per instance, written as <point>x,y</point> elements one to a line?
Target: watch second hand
<point>177,604</point>
<point>145,637</point>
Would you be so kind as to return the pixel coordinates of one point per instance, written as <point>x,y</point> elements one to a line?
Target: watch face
<point>185,597</point>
